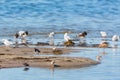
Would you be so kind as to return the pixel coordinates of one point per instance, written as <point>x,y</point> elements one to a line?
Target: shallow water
<point>40,17</point>
<point>109,69</point>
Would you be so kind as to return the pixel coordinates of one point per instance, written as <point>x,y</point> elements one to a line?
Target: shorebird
<point>103,44</point>
<point>51,36</point>
<point>82,35</point>
<point>26,64</point>
<point>36,51</point>
<point>66,37</point>
<point>115,39</point>
<point>7,43</point>
<point>103,34</point>
<point>23,33</point>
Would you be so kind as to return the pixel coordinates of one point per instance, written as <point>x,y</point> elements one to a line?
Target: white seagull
<point>66,37</point>
<point>103,34</point>
<point>51,37</point>
<point>6,42</point>
<point>115,38</point>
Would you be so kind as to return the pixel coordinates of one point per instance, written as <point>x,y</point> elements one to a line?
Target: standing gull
<point>103,35</point>
<point>51,36</point>
<point>115,39</point>
<point>66,37</point>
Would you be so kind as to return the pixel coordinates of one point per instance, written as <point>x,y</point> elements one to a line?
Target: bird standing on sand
<point>7,43</point>
<point>66,37</point>
<point>23,35</point>
<point>37,51</point>
<point>51,36</point>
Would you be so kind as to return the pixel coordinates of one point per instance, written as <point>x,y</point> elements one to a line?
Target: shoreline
<point>17,57</point>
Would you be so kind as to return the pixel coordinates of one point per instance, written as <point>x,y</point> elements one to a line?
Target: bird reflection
<point>100,56</point>
<point>26,69</point>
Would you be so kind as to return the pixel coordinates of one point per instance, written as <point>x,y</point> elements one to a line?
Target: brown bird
<point>103,44</point>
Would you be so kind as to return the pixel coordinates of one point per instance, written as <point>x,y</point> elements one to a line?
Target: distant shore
<point>18,57</point>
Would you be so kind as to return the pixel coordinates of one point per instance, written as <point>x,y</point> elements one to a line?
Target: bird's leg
<point>51,41</point>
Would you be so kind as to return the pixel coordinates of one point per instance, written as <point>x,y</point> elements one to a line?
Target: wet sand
<point>18,57</point>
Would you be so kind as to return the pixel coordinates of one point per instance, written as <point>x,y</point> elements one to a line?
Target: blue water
<point>40,17</point>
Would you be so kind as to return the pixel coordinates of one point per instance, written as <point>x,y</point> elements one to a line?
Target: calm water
<point>40,17</point>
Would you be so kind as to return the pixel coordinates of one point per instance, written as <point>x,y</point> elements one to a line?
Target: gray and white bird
<point>7,43</point>
<point>51,37</point>
<point>23,35</point>
<point>115,38</point>
<point>103,34</point>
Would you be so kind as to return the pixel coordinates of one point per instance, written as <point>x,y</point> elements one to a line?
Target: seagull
<point>103,34</point>
<point>66,37</point>
<point>115,38</point>
<point>6,42</point>
<point>51,36</point>
<point>37,51</point>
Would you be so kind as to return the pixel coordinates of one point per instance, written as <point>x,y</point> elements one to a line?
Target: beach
<point>16,57</point>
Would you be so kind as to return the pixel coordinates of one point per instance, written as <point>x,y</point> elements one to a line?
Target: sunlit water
<point>40,17</point>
